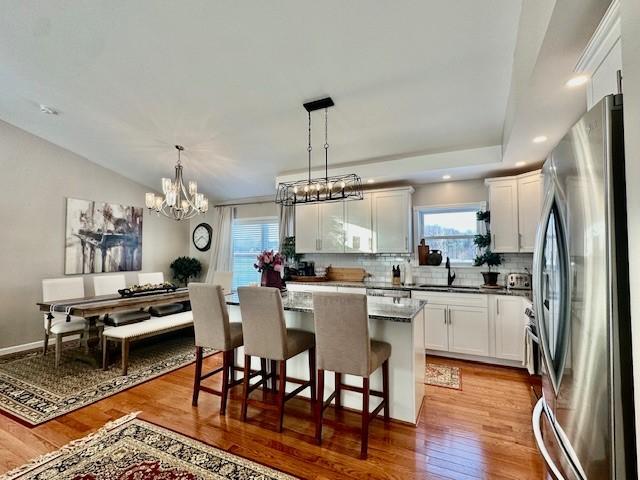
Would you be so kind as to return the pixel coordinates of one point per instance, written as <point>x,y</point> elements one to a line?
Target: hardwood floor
<point>483,431</point>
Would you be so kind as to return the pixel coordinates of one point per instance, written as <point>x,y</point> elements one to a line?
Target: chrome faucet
<point>450,277</point>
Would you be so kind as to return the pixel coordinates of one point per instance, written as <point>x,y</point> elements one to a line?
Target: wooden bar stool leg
<point>364,442</point>
<point>274,374</point>
<point>263,376</point>
<point>196,379</point>
<point>245,386</point>
<point>226,363</point>
<point>282,393</point>
<point>385,389</point>
<point>338,399</point>
<point>319,401</point>
<point>312,376</point>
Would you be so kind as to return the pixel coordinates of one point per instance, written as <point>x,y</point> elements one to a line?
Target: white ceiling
<point>228,79</point>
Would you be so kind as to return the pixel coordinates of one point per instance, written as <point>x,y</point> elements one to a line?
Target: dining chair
<point>153,278</point>
<point>224,280</point>
<point>266,336</point>
<point>60,324</point>
<point>109,285</point>
<point>214,330</point>
<point>343,346</point>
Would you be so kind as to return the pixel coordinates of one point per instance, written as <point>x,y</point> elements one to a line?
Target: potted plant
<point>270,264</point>
<point>486,256</point>
<point>490,259</point>
<point>185,268</point>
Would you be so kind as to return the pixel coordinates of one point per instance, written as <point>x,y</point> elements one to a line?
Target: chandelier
<point>178,202</point>
<point>322,189</point>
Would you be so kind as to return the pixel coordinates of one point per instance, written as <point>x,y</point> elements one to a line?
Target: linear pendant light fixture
<point>323,189</point>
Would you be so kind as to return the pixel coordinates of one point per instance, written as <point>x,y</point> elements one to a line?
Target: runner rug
<point>34,391</point>
<point>132,449</point>
<point>443,376</point>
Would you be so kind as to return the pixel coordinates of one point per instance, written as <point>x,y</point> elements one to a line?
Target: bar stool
<point>266,336</point>
<point>344,347</point>
<point>213,330</point>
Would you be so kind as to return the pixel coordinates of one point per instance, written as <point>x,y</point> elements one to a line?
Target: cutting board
<point>346,274</point>
<point>308,279</point>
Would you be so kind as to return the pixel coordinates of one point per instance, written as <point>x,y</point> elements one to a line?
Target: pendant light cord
<point>326,147</point>
<point>309,148</point>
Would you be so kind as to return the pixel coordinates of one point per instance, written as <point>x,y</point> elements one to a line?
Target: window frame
<point>420,210</point>
<point>263,220</point>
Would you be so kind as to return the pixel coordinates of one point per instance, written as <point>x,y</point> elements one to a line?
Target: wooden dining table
<point>92,308</point>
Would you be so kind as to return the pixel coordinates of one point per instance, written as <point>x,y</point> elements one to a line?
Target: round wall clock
<point>202,237</point>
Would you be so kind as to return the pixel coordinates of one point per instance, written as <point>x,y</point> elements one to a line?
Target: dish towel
<point>528,357</point>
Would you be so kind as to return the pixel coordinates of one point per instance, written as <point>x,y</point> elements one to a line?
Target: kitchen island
<point>399,322</point>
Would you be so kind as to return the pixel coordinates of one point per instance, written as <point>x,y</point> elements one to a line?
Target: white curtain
<point>220,257</point>
<point>287,215</point>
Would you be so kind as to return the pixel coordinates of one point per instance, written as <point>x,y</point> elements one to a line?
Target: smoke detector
<point>48,110</point>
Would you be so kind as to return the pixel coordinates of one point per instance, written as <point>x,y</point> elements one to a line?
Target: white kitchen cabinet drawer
<point>360,290</point>
<point>447,298</point>
<point>303,287</point>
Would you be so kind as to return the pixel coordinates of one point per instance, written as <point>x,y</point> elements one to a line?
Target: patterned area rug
<point>443,376</point>
<point>32,390</point>
<point>132,449</point>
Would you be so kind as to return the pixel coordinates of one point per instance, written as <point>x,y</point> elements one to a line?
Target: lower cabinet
<point>456,323</point>
<point>509,324</point>
<point>436,330</point>
<point>469,330</point>
<point>488,326</point>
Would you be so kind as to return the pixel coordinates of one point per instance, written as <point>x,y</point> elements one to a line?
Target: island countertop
<point>380,308</point>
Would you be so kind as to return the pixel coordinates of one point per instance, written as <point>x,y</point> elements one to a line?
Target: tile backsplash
<point>379,267</point>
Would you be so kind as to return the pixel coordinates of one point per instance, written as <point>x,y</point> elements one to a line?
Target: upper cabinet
<point>379,223</point>
<point>515,203</point>
<point>602,57</point>
<point>357,226</point>
<point>392,221</point>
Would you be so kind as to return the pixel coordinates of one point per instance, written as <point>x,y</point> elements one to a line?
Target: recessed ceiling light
<point>520,164</point>
<point>540,139</point>
<point>446,177</point>
<point>577,81</point>
<point>48,110</point>
<point>371,180</point>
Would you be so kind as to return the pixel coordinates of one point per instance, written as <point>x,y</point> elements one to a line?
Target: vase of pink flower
<point>271,264</point>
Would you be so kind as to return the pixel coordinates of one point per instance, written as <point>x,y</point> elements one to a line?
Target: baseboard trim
<point>475,358</point>
<point>34,345</point>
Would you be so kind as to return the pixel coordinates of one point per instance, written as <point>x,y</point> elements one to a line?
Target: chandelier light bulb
<point>193,188</point>
<point>150,199</point>
<point>342,185</point>
<point>158,202</point>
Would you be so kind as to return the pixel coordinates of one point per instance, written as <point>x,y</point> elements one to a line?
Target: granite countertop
<point>426,288</point>
<point>380,308</point>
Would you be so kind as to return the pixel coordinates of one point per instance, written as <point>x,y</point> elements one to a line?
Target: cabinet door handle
<point>497,306</point>
<point>370,243</point>
<point>406,243</point>
<point>494,240</point>
<point>320,242</point>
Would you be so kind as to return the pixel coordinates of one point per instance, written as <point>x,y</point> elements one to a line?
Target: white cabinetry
<point>509,323</point>
<point>530,193</point>
<point>481,327</point>
<point>314,287</point>
<point>436,330</point>
<point>515,203</point>
<point>602,57</point>
<point>457,323</point>
<point>307,228</point>
<point>392,221</point>
<point>358,226</point>
<point>331,219</point>
<point>380,223</point>
<point>468,330</point>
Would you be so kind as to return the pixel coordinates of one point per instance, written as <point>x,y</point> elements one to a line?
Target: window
<point>250,237</point>
<point>450,228</point>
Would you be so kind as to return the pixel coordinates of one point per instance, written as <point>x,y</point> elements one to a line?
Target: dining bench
<point>126,334</point>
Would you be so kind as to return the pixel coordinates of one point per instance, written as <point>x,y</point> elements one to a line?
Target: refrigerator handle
<point>537,432</point>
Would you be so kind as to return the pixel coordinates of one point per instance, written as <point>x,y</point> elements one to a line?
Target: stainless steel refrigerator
<point>584,422</point>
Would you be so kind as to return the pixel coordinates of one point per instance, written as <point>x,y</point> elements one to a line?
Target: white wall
<point>446,193</point>
<point>37,176</point>
<point>631,84</point>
